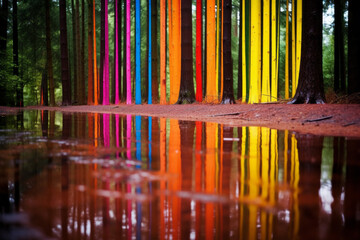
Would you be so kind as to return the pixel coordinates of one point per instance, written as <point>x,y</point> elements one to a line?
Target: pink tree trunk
<point>106,60</point>
<point>128,63</point>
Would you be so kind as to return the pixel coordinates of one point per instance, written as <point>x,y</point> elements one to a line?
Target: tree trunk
<point>228,91</point>
<point>123,99</point>
<point>162,51</point>
<point>211,95</point>
<point>75,80</point>
<point>102,51</point>
<point>44,88</point>
<point>128,56</point>
<point>154,50</point>
<point>117,53</point>
<point>4,11</point>
<point>65,74</point>
<point>137,54</point>
<point>82,55</point>
<point>49,54</point>
<point>354,47</point>
<point>186,93</point>
<point>90,98</point>
<point>105,72</point>
<point>311,87</point>
<point>19,85</point>
<point>96,78</point>
<point>339,68</point>
<point>240,79</point>
<point>78,52</point>
<point>199,51</point>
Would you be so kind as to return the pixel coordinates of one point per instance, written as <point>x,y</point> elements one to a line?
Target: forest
<point>166,52</point>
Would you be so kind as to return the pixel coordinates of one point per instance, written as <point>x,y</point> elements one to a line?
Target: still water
<point>103,176</point>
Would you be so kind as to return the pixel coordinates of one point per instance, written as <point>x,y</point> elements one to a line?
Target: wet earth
<point>113,176</point>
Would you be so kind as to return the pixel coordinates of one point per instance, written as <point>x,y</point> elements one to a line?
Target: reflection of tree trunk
<point>354,47</point>
<point>44,123</point>
<point>310,150</point>
<point>186,145</point>
<point>49,54</point>
<point>352,193</point>
<point>311,87</point>
<point>186,93</point>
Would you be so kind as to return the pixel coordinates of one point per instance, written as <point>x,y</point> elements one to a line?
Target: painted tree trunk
<point>154,50</point>
<point>123,96</point>
<point>353,47</point>
<point>198,51</point>
<point>65,73</point>
<point>228,91</point>
<point>117,51</point>
<point>211,94</point>
<point>96,79</point>
<point>186,93</point>
<point>49,54</point>
<point>162,51</point>
<point>176,49</point>
<point>239,92</point>
<point>102,52</point>
<point>90,97</point>
<point>265,88</point>
<point>218,48</point>
<point>274,48</point>
<point>255,58</point>
<point>149,55</point>
<point>105,71</point>
<point>299,17</point>
<point>287,52</point>
<point>311,88</point>
<point>137,54</point>
<point>128,63</point>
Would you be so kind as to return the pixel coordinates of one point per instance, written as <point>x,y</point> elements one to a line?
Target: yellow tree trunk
<point>265,93</point>
<point>243,41</point>
<point>217,61</point>
<point>255,48</point>
<point>274,79</point>
<point>293,50</point>
<point>287,52</point>
<point>211,94</point>
<point>298,39</point>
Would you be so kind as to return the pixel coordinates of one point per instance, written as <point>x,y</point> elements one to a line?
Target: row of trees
<point>179,56</point>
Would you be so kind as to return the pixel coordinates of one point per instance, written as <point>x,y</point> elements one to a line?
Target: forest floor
<point>326,119</point>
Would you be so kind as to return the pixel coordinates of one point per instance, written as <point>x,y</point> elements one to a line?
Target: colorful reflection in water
<point>102,176</point>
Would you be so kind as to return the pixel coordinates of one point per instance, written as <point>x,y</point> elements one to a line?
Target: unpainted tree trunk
<point>65,73</point>
<point>228,90</point>
<point>19,86</point>
<point>311,87</point>
<point>339,68</point>
<point>49,54</point>
<point>75,57</point>
<point>354,47</point>
<point>186,93</point>
<point>82,56</point>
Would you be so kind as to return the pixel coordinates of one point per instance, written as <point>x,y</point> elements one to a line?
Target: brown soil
<point>327,119</point>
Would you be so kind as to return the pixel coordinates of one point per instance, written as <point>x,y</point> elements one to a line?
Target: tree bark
<point>75,57</point>
<point>49,54</point>
<point>354,47</point>
<point>90,87</point>
<point>123,96</point>
<point>154,50</point>
<point>311,87</point>
<point>19,84</point>
<point>82,55</point>
<point>240,73</point>
<point>65,73</point>
<point>228,90</point>
<point>339,68</point>
<point>199,95</point>
<point>102,50</point>
<point>186,93</point>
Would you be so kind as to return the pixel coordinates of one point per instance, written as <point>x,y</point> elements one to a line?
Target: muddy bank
<point>328,119</point>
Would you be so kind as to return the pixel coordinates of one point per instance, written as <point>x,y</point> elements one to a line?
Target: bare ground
<point>327,119</point>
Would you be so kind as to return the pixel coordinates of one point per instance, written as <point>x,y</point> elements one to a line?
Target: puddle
<point>102,176</point>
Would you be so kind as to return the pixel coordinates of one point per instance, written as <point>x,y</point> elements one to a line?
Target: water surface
<point>102,176</point>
